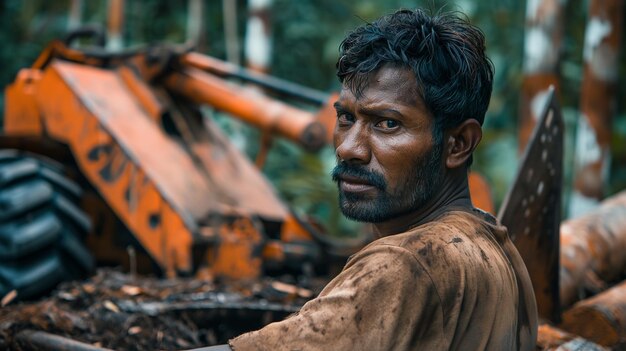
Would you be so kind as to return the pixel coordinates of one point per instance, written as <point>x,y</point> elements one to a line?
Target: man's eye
<point>387,124</point>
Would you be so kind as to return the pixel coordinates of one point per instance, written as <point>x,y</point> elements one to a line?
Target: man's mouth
<point>352,184</point>
<point>357,179</point>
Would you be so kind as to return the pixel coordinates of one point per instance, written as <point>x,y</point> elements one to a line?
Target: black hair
<point>444,51</point>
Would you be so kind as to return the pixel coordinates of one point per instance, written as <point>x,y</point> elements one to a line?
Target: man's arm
<point>382,300</point>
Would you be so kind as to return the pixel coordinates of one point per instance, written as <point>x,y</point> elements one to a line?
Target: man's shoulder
<point>458,241</point>
<point>449,232</point>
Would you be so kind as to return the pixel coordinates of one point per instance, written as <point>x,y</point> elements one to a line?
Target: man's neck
<point>453,195</point>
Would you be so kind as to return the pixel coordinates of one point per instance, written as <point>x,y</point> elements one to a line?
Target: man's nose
<point>353,145</point>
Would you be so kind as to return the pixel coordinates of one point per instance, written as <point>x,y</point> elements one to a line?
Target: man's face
<point>387,165</point>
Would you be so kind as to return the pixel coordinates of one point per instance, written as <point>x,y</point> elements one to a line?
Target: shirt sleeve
<point>384,299</point>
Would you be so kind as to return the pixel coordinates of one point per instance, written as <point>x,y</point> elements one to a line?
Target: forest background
<point>305,39</point>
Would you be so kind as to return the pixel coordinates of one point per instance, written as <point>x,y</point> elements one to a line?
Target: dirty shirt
<point>455,283</point>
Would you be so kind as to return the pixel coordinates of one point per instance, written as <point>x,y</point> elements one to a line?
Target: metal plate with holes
<point>532,209</point>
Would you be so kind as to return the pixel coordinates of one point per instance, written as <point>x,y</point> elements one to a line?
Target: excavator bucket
<point>532,208</point>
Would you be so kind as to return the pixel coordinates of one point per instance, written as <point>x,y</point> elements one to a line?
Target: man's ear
<point>461,142</point>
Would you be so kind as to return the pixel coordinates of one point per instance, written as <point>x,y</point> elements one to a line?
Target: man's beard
<point>423,179</point>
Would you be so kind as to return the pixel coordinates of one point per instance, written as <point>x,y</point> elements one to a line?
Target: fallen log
<point>592,250</point>
<point>601,319</point>
<point>550,338</point>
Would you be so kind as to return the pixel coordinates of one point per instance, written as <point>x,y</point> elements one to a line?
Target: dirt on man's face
<point>388,163</point>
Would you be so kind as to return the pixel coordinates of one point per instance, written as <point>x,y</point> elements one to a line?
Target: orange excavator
<point>108,158</point>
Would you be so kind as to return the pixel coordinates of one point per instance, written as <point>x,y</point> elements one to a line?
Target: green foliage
<point>25,28</point>
<point>306,36</point>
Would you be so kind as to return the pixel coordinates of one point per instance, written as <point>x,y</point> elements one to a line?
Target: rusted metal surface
<point>598,101</point>
<point>23,90</point>
<point>38,340</point>
<point>542,49</point>
<point>268,115</point>
<point>326,115</point>
<point>592,250</point>
<point>270,83</point>
<point>114,143</point>
<point>601,319</point>
<point>138,88</point>
<point>532,208</point>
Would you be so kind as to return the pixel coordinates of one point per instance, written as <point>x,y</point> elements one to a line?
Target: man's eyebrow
<point>339,107</point>
<point>369,111</point>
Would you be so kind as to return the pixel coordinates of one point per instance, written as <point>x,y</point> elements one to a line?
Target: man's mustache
<point>371,177</point>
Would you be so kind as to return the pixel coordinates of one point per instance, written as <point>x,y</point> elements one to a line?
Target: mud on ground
<point>121,312</point>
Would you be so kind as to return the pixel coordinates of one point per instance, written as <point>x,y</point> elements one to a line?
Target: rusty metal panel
<point>130,182</point>
<point>532,209</point>
<point>134,138</point>
<point>21,116</point>
<point>165,161</point>
<point>158,190</point>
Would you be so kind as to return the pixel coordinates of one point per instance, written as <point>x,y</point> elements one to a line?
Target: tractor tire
<point>41,227</point>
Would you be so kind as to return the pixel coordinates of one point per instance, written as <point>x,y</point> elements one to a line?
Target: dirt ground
<point>121,312</point>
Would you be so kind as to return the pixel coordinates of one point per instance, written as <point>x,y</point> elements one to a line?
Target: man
<point>441,275</point>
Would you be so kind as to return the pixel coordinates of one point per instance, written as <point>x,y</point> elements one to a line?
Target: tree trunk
<point>592,250</point>
<point>195,24</point>
<point>75,14</point>
<point>542,48</point>
<point>230,31</point>
<point>552,338</point>
<point>601,319</point>
<point>115,25</point>
<point>597,103</point>
<point>258,42</point>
